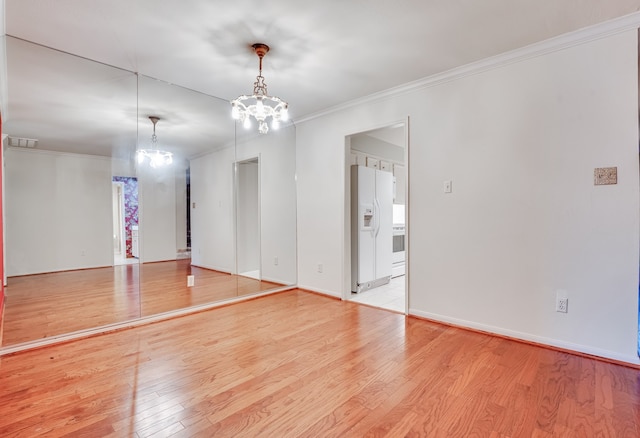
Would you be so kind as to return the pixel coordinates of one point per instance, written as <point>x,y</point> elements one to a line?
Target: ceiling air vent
<point>20,142</point>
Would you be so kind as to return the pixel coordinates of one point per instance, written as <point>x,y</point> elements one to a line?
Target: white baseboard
<point>578,348</point>
<point>320,291</point>
<point>212,268</point>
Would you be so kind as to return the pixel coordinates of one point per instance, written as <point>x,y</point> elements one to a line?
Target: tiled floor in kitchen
<point>390,296</point>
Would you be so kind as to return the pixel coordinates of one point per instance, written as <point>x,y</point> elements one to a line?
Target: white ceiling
<point>322,53</point>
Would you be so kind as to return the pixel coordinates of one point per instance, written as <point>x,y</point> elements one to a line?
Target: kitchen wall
<point>519,137</point>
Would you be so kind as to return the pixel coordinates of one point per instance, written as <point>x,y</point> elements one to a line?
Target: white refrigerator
<point>371,227</point>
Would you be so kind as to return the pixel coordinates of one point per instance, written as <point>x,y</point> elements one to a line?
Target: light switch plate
<point>447,186</point>
<point>605,176</point>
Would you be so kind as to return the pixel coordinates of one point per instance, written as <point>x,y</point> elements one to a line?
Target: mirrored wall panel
<point>265,196</point>
<point>98,233</point>
<point>70,122</point>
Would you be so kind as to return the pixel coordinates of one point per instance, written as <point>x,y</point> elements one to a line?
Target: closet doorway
<point>248,218</point>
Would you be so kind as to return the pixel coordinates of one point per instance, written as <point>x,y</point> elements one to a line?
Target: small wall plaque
<point>605,176</point>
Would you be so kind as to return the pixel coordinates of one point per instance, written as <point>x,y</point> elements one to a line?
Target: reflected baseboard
<point>119,261</point>
<point>109,328</point>
<point>251,274</point>
<point>183,254</point>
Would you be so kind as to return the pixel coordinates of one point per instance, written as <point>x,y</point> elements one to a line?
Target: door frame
<point>346,228</point>
<point>235,167</point>
<point>122,224</point>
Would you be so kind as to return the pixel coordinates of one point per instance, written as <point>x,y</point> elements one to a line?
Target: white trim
<point>276,280</point>
<point>407,214</point>
<point>132,323</point>
<point>320,291</point>
<point>561,42</point>
<point>213,268</point>
<point>490,329</point>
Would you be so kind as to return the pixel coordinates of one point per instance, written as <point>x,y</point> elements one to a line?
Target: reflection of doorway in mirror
<point>248,218</point>
<point>118,221</point>
<point>125,220</point>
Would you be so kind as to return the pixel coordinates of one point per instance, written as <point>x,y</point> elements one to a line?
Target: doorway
<point>126,248</point>
<point>248,218</point>
<point>381,152</point>
<point>119,249</point>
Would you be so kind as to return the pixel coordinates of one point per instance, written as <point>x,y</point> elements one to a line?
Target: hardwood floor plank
<point>300,364</point>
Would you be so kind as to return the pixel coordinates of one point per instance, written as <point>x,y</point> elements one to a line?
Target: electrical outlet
<point>562,305</point>
<point>190,280</point>
<point>319,268</point>
<point>275,261</point>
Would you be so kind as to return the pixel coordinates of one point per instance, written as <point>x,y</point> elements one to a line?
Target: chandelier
<point>260,105</point>
<point>156,157</point>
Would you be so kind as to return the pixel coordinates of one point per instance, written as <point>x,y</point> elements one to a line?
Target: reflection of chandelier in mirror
<point>157,158</point>
<point>260,105</point>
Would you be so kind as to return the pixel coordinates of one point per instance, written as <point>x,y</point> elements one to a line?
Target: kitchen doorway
<point>375,223</point>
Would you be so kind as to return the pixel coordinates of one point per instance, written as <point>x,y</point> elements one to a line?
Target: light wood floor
<point>300,364</point>
<point>44,305</point>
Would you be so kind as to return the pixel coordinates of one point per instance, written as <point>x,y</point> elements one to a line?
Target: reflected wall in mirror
<point>80,119</point>
<point>271,159</point>
<point>63,214</point>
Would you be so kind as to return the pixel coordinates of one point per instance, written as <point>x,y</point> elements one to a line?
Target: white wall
<point>212,228</point>
<point>58,211</point>
<point>278,201</point>
<point>377,148</point>
<point>157,213</point>
<point>212,221</point>
<point>520,142</point>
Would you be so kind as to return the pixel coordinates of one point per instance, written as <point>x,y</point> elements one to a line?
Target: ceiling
<point>322,53</point>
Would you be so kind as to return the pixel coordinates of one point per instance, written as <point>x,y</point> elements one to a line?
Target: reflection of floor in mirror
<point>44,305</point>
<point>389,296</point>
<point>119,260</point>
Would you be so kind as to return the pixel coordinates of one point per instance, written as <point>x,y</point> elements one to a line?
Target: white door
<point>366,194</point>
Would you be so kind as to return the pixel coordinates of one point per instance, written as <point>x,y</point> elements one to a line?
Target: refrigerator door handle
<point>377,215</point>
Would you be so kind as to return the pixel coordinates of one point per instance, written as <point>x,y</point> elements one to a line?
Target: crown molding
<point>561,42</point>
